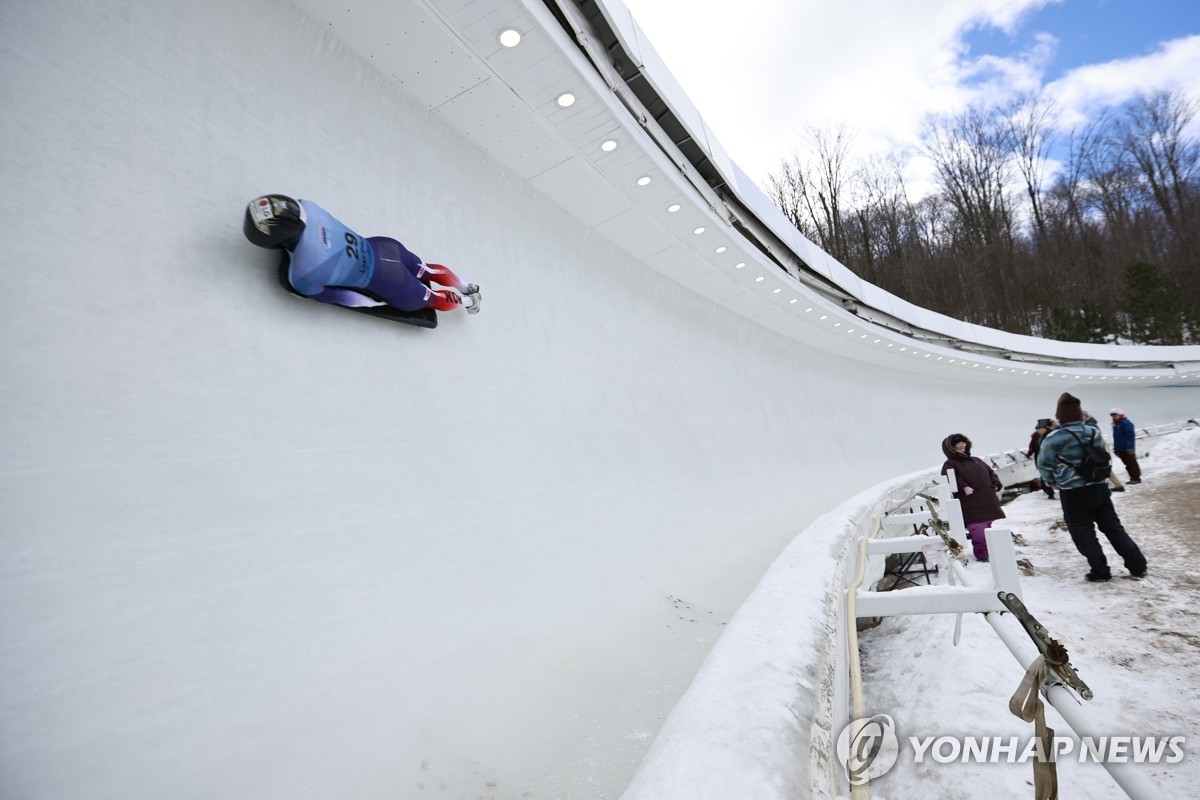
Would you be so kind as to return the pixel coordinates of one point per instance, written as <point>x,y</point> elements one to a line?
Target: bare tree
<point>969,152</point>
<point>1030,129</point>
<point>1067,193</point>
<point>832,147</point>
<point>1113,192</point>
<point>789,191</point>
<point>1152,132</point>
<point>1111,245</point>
<point>885,222</point>
<point>811,188</point>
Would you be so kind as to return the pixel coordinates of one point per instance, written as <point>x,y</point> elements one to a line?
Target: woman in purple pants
<point>978,487</point>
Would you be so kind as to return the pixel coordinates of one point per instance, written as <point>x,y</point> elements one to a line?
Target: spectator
<point>1086,504</point>
<point>1035,442</point>
<point>1092,422</point>
<point>1124,444</point>
<point>977,488</point>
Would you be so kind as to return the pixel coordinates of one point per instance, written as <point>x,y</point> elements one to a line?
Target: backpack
<point>1096,464</point>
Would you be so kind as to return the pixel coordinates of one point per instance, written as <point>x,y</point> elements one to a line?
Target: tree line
<point>1104,250</point>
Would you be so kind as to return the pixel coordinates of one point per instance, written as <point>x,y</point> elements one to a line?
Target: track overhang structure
<point>583,109</point>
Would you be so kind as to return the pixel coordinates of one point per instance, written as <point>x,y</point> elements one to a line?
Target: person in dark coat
<point>1125,443</point>
<point>978,485</point>
<point>1091,422</point>
<point>1035,442</point>
<point>1086,503</point>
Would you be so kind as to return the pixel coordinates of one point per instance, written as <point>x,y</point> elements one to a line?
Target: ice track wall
<point>257,547</point>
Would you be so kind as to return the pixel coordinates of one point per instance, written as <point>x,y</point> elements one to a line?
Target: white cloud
<point>761,71</point>
<point>1084,93</point>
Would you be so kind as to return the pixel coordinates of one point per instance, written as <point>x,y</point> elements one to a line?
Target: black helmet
<point>273,220</point>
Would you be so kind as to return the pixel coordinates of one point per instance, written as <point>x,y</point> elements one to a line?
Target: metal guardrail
<point>1014,467</point>
<point>918,510</point>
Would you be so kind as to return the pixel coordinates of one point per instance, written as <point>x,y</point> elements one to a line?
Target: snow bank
<point>762,714</point>
<point>759,718</point>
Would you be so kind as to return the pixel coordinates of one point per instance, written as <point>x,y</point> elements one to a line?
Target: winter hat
<point>1069,409</point>
<point>955,438</point>
<point>1116,412</point>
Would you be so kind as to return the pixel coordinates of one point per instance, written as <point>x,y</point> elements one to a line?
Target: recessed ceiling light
<point>739,265</point>
<point>644,180</point>
<point>566,100</point>
<point>509,37</point>
<point>759,279</point>
<point>808,309</point>
<point>671,209</point>
<point>609,145</point>
<point>794,300</point>
<point>776,291</point>
<point>699,230</point>
<point>824,316</point>
<point>721,249</point>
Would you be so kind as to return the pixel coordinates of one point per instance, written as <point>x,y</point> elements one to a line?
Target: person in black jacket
<point>1086,501</point>
<point>978,485</point>
<point>1035,444</point>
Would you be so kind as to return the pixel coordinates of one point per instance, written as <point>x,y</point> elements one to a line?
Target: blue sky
<point>1092,31</point>
<point>761,71</point>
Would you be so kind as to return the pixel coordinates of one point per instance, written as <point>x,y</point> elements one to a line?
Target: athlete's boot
<point>473,293</point>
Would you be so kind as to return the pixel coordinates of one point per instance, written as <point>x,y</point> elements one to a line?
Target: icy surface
<point>258,547</point>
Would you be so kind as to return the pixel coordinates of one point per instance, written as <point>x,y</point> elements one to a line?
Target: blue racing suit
<point>333,264</point>
<point>328,257</point>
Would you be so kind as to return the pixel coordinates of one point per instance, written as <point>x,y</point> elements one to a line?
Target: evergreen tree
<point>1087,323</point>
<point>1155,309</point>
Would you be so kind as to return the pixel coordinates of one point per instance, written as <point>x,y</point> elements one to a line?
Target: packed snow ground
<point>1135,642</point>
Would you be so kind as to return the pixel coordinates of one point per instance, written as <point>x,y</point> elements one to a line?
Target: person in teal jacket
<point>1125,444</point>
<point>330,263</point>
<point>1086,504</point>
